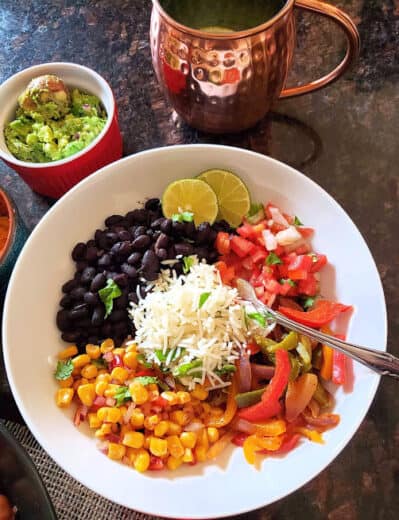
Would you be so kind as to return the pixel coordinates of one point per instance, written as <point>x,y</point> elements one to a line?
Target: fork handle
<point>383,363</point>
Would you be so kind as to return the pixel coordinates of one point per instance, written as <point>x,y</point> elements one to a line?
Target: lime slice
<point>191,195</point>
<point>232,195</point>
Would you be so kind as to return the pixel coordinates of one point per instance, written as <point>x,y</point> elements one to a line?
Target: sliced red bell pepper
<point>239,439</point>
<point>241,246</point>
<point>270,405</point>
<point>323,312</point>
<point>222,243</point>
<point>253,348</point>
<point>338,368</point>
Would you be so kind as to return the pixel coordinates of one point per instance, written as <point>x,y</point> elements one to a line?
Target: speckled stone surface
<point>344,137</point>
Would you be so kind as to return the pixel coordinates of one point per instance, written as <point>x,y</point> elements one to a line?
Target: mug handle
<point>352,52</point>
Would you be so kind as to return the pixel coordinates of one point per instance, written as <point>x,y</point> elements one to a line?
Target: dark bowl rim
<point>27,462</point>
<point>11,228</point>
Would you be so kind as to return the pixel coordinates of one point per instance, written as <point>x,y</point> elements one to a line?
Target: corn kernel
<point>116,451</point>
<point>81,360</point>
<point>151,421</point>
<point>180,417</point>
<point>174,428</point>
<point>93,351</point>
<point>115,428</point>
<point>131,454</point>
<point>118,351</point>
<point>200,393</point>
<point>147,442</point>
<point>188,455</point>
<point>75,371</point>
<point>64,397</point>
<point>158,447</point>
<point>94,421</point>
<point>153,395</point>
<point>200,453</point>
<point>142,461</point>
<point>137,418</point>
<point>109,415</point>
<point>130,360</point>
<point>188,439</point>
<point>131,348</point>
<point>175,447</point>
<point>133,439</point>
<point>139,393</point>
<point>79,382</point>
<point>171,397</point>
<point>173,463</point>
<point>66,383</point>
<point>213,434</point>
<point>216,411</point>
<point>87,394</point>
<point>107,346</point>
<point>103,376</point>
<point>120,374</point>
<point>203,439</point>
<point>89,371</point>
<point>161,428</point>
<point>110,390</point>
<point>105,429</point>
<point>68,352</point>
<point>183,397</point>
<point>125,428</point>
<point>100,387</point>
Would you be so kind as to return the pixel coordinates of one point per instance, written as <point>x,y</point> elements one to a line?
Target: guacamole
<point>52,123</point>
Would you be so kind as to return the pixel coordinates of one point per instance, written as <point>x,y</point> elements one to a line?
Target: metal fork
<point>383,363</point>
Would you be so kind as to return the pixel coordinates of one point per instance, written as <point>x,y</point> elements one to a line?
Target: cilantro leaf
<point>204,296</point>
<point>255,208</point>
<point>108,294</point>
<point>273,259</point>
<point>226,369</point>
<point>184,216</point>
<point>146,380</point>
<point>287,280</point>
<point>64,370</point>
<point>188,262</point>
<point>99,363</point>
<point>142,360</point>
<point>308,302</point>
<point>258,317</point>
<point>297,222</point>
<point>122,394</point>
<point>256,213</point>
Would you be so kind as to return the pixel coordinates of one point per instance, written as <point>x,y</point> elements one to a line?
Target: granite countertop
<point>344,137</point>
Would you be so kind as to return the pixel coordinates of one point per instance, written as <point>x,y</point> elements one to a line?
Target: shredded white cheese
<point>171,325</point>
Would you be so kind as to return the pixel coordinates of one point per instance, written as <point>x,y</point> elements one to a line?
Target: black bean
<point>111,238</point>
<point>84,325</point>
<point>183,248</point>
<point>98,282</point>
<point>106,329</point>
<point>153,204</point>
<point>91,243</point>
<point>203,232</point>
<point>171,252</point>
<point>178,228</point>
<point>166,226</point>
<point>78,293</point>
<point>124,235</point>
<point>201,252</point>
<point>97,318</point>
<point>117,315</point>
<point>88,275</point>
<point>157,223</point>
<point>139,230</point>
<point>77,276</point>
<point>105,260</point>
<point>98,236</point>
<point>150,262</point>
<point>189,229</point>
<point>133,297</point>
<point>134,258</point>
<point>81,264</point>
<point>139,216</point>
<point>141,242</point>
<point>68,286</point>
<point>222,225</point>
<point>129,217</point>
<point>66,302</point>
<point>122,301</point>
<point>113,220</point>
<point>79,251</point>
<point>162,241</point>
<point>162,254</point>
<point>129,270</point>
<point>151,276</point>
<point>212,236</point>
<point>63,321</point>
<point>91,254</point>
<point>91,298</point>
<point>79,311</point>
<point>121,279</point>
<point>150,233</point>
<point>178,268</point>
<point>121,328</point>
<point>70,337</point>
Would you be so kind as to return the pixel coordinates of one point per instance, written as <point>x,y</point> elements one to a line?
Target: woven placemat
<point>71,500</point>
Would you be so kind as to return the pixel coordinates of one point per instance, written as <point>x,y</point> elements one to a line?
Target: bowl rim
<point>11,227</point>
<point>26,461</point>
<point>335,449</point>
<point>43,67</point>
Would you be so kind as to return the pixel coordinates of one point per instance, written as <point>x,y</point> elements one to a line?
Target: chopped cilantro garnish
<point>64,370</point>
<point>256,213</point>
<point>188,262</point>
<point>122,394</point>
<point>183,370</point>
<point>308,302</point>
<point>146,380</point>
<point>184,216</point>
<point>297,222</point>
<point>108,294</point>
<point>273,259</point>
<point>287,280</point>
<point>204,296</point>
<point>258,317</point>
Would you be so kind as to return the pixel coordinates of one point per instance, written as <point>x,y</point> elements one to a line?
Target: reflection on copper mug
<point>226,82</point>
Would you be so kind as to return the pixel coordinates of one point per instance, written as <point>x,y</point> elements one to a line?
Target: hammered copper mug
<point>227,82</point>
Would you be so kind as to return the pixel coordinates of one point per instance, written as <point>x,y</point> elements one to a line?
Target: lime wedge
<point>232,195</point>
<point>190,195</point>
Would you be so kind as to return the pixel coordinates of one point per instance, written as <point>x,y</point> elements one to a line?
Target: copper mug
<point>227,82</point>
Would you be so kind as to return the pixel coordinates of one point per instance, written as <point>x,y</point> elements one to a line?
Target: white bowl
<point>229,486</point>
